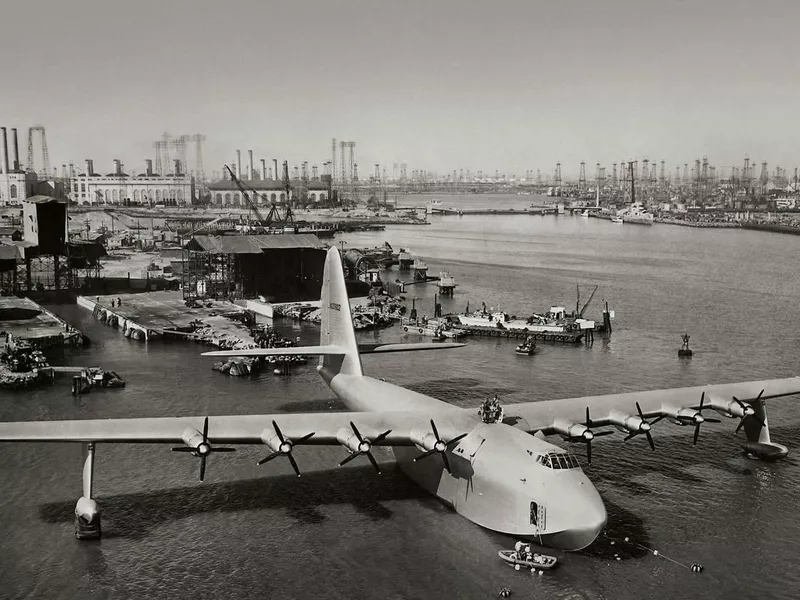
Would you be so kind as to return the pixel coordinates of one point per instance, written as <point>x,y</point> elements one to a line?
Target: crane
<point>261,221</point>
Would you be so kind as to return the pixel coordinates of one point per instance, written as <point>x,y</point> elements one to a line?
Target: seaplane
<point>502,474</point>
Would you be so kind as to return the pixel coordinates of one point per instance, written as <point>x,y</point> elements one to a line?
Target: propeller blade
<point>205,430</point>
<point>348,459</point>
<point>759,395</point>
<point>269,458</point>
<point>278,431</point>
<point>456,439</point>
<point>446,462</point>
<point>702,399</point>
<point>650,441</point>
<point>355,430</point>
<point>294,464</point>
<point>656,420</point>
<point>381,437</point>
<point>374,462</point>
<point>629,436</point>
<point>639,410</point>
<point>183,449</point>
<point>202,467</point>
<point>602,433</point>
<point>739,426</point>
<point>425,455</point>
<point>305,437</point>
<point>588,420</point>
<point>435,432</point>
<point>696,433</point>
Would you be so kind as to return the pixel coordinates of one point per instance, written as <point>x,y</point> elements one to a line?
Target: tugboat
<point>528,347</point>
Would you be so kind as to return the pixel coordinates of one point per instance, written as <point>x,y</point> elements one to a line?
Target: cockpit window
<point>558,460</point>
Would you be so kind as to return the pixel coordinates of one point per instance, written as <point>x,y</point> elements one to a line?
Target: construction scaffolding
<point>277,267</point>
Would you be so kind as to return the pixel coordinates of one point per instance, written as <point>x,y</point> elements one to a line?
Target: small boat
<point>527,348</point>
<point>539,561</point>
<point>616,219</point>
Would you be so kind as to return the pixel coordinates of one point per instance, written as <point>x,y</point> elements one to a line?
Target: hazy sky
<point>440,84</point>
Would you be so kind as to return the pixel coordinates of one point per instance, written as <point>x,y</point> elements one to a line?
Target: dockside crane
<point>260,220</point>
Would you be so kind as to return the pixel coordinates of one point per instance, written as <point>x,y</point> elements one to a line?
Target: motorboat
<point>538,561</point>
<point>527,348</point>
<point>617,219</point>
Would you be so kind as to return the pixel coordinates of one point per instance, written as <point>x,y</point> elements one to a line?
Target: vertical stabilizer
<point>337,323</point>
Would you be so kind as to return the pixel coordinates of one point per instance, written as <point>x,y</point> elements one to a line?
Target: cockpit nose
<point>588,519</point>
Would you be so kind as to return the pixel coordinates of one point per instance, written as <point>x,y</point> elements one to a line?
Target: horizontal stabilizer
<point>373,348</point>
<point>293,351</point>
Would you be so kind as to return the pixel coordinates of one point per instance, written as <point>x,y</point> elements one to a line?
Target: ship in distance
<point>502,474</point>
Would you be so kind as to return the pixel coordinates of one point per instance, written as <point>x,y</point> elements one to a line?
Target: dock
<point>24,319</point>
<point>153,315</point>
<point>567,337</point>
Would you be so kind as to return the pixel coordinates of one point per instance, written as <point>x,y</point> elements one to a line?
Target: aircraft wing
<point>570,417</point>
<point>243,429</point>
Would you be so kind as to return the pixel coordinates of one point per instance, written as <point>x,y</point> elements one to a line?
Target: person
<point>112,303</point>
<point>518,549</point>
<point>119,301</point>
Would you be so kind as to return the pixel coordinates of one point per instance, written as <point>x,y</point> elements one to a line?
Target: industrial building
<point>277,267</point>
<point>118,187</point>
<point>15,183</point>
<point>266,192</point>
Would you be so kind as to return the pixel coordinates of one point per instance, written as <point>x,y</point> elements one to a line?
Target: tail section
<point>337,322</point>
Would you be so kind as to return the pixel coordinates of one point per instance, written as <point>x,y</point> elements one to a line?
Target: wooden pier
<point>566,337</point>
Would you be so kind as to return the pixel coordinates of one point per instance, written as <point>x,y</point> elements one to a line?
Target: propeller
<point>698,419</point>
<point>365,447</point>
<point>587,436</point>
<point>644,428</point>
<point>440,446</point>
<point>748,411</point>
<point>285,448</point>
<point>203,449</point>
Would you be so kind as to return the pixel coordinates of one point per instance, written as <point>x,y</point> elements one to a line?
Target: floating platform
<point>155,314</point>
<point>567,337</point>
<point>26,320</point>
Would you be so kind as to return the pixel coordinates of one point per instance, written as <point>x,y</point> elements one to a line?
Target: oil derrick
<point>199,172</point>
<point>557,179</point>
<point>582,177</point>
<point>645,171</point>
<point>685,179</point>
<point>315,173</point>
<point>614,175</point>
<point>333,161</point>
<point>652,173</point>
<point>538,177</point>
<point>746,172</point>
<point>662,177</point>
<point>45,155</point>
<point>764,179</point>
<point>165,142</point>
<point>678,175</point>
<point>179,144</point>
<point>597,174</point>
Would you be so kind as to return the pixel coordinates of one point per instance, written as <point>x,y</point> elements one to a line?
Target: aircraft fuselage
<point>501,477</point>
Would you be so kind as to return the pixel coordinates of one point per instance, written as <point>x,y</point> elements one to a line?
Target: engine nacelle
<point>629,423</point>
<point>426,441</point>
<point>348,439</point>
<point>682,415</point>
<point>729,408</point>
<point>275,443</point>
<point>192,438</point>
<point>568,429</point>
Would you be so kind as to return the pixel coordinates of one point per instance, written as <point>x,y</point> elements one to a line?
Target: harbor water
<point>253,531</point>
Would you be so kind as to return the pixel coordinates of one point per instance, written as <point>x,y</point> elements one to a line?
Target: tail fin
<point>337,322</point>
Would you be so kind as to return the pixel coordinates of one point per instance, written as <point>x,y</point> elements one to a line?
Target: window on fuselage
<point>558,460</point>
<point>534,513</point>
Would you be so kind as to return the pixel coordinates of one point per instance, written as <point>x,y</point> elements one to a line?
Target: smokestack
<point>117,167</point>
<point>252,175</point>
<point>275,162</point>
<point>177,167</point>
<point>16,150</point>
<point>264,170</point>
<point>89,167</point>
<point>149,164</point>
<point>239,164</point>
<point>5,150</point>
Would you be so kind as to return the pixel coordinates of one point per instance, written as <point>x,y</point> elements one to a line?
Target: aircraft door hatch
<point>469,446</point>
<point>538,516</point>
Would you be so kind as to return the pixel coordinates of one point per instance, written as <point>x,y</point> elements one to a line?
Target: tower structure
<point>45,156</point>
<point>333,160</point>
<point>582,177</point>
<point>614,175</point>
<point>199,172</point>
